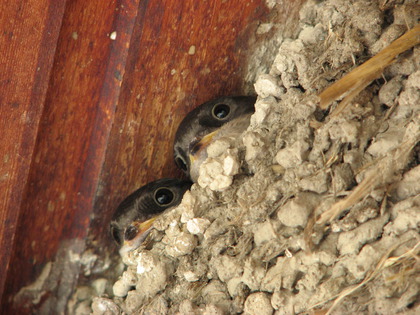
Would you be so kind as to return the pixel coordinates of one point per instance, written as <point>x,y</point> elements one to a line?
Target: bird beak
<point>200,147</point>
<point>143,229</point>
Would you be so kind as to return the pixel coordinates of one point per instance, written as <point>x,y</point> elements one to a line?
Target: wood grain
<point>28,39</point>
<point>72,138</point>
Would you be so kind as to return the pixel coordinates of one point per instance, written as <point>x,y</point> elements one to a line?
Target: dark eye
<point>163,196</point>
<point>221,111</point>
<point>181,163</point>
<point>116,235</point>
<point>130,233</point>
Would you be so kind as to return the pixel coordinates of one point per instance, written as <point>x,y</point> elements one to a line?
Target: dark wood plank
<point>28,38</point>
<point>73,134</point>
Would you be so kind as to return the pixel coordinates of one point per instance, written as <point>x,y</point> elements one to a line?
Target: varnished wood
<point>77,116</point>
<point>28,39</point>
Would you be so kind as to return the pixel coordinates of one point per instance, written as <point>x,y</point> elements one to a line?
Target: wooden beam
<point>28,40</point>
<point>77,117</point>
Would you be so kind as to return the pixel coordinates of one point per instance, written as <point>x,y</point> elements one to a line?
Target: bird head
<point>134,217</point>
<point>208,122</point>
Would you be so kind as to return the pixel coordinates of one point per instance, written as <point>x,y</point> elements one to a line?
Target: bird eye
<point>221,111</point>
<point>130,233</point>
<point>116,235</point>
<point>164,196</point>
<point>181,163</point>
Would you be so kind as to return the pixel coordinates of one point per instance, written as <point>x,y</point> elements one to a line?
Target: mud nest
<point>306,211</point>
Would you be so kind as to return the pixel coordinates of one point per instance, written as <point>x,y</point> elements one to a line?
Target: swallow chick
<point>134,217</point>
<point>213,120</point>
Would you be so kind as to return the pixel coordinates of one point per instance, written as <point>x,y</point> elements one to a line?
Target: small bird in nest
<point>213,120</point>
<point>134,217</point>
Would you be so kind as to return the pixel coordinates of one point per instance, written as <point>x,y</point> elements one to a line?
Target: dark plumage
<point>133,219</point>
<point>225,116</point>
